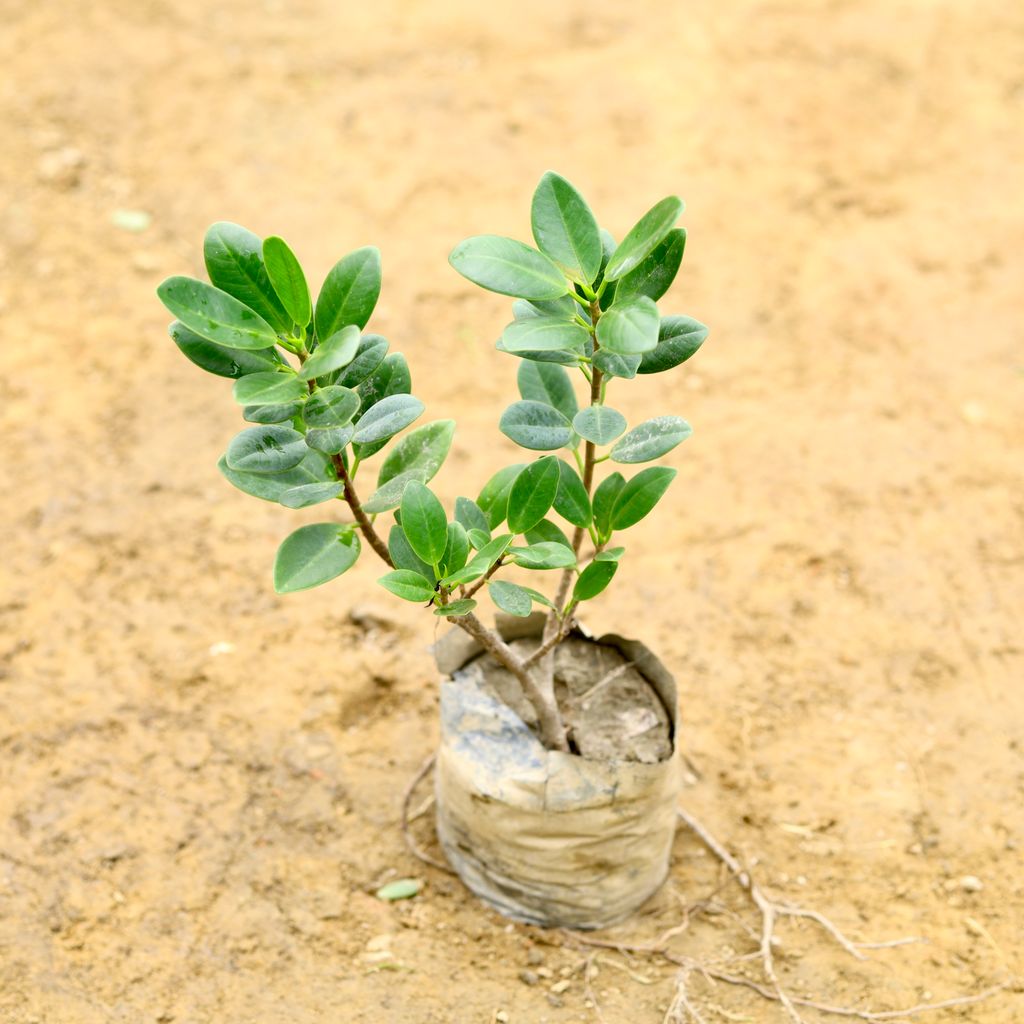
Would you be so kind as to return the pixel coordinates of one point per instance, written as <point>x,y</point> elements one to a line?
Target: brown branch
<point>411,843</point>
<point>470,591</point>
<point>552,731</point>
<point>373,538</point>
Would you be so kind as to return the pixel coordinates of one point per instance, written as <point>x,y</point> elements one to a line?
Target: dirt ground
<point>201,780</point>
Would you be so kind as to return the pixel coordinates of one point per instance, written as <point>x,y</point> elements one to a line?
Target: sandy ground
<point>201,780</point>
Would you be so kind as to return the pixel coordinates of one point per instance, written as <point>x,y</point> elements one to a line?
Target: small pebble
<point>501,1017</point>
<point>62,167</point>
<point>560,986</point>
<point>555,1001</point>
<point>534,957</point>
<point>971,883</point>
<point>131,220</point>
<point>529,977</point>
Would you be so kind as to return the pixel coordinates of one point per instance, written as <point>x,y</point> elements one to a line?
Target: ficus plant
<point>323,396</point>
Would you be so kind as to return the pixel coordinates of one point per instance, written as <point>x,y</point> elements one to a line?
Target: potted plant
<point>557,773</point>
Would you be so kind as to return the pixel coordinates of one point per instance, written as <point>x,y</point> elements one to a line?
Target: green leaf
<point>273,388</point>
<point>651,439</point>
<point>678,338</point>
<point>546,555</point>
<point>546,532</point>
<point>403,555</point>
<point>652,227</point>
<point>604,501</point>
<point>611,555</point>
<point>509,267</point>
<point>313,555</point>
<point>400,889</point>
<point>266,449</point>
<point>330,439</point>
<point>532,494</point>
<point>271,413</point>
<point>215,315</point>
<point>456,550</point>
<point>456,609</point>
<point>493,499</point>
<point>337,351</point>
<point>653,276</point>
<point>370,354</point>
<point>599,423</point>
<point>310,494</point>
<point>544,334</point>
<point>234,261</point>
<point>536,426</point>
<point>333,406</point>
<point>640,495</point>
<point>594,579</point>
<point>607,249</point>
<point>547,383</point>
<point>564,228</point>
<point>288,280</point>
<point>216,359</point>
<point>571,501</point>
<point>469,513</point>
<point>424,522</point>
<point>392,377</point>
<point>478,538</point>
<point>314,468</point>
<point>491,552</point>
<point>629,328</point>
<point>389,495</point>
<point>614,365</point>
<point>511,598</point>
<point>408,585</point>
<point>559,358</point>
<point>387,418</point>
<point>349,292</point>
<point>423,450</point>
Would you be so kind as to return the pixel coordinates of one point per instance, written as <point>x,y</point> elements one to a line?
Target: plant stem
<point>552,731</point>
<point>373,538</point>
<point>470,591</point>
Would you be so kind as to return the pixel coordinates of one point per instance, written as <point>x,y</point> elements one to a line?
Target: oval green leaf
<point>333,406</point>
<point>401,889</point>
<point>630,328</point>
<point>314,468</point>
<point>652,227</point>
<point>370,354</point>
<point>509,267</point>
<point>288,280</point>
<point>544,334</point>
<point>274,388</point>
<point>651,439</point>
<point>271,413</point>
<point>403,555</point>
<point>408,585</point>
<point>349,292</point>
<point>456,550</point>
<point>532,494</point>
<point>547,383</point>
<point>310,494</point>
<point>469,513</point>
<point>422,450</point>
<point>493,499</point>
<point>640,495</point>
<point>614,365</point>
<point>266,449</point>
<point>337,351</point>
<point>511,598</point>
<point>330,439</point>
<point>599,424</point>
<point>313,555</point>
<point>424,522</point>
<point>216,359</point>
<point>565,229</point>
<point>387,418</point>
<point>571,501</point>
<point>536,426</point>
<point>604,501</point>
<point>456,609</point>
<point>547,555</point>
<point>594,579</point>
<point>678,338</point>
<point>546,532</point>
<point>215,315</point>
<point>656,272</point>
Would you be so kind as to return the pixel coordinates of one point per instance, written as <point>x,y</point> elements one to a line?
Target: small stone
<point>135,221</point>
<point>561,986</point>
<point>555,1001</point>
<point>971,883</point>
<point>529,977</point>
<point>534,956</point>
<point>501,1017</point>
<point>545,972</point>
<point>62,167</point>
<point>221,647</point>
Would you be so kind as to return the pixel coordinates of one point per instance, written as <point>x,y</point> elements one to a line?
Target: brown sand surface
<point>200,781</point>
